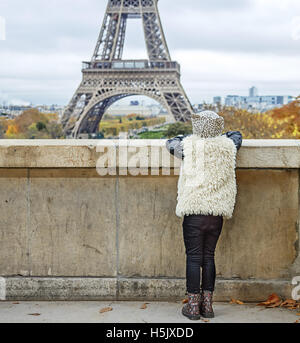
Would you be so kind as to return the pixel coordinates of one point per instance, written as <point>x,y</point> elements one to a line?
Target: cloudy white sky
<point>223,46</point>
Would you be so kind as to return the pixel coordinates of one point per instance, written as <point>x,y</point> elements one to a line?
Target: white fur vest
<point>207,182</point>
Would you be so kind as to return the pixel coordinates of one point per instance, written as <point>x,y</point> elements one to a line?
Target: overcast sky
<point>223,46</point>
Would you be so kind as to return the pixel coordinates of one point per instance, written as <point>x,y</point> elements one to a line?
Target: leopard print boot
<point>206,300</point>
<point>191,309</point>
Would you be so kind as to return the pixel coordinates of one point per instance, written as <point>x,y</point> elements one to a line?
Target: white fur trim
<point>215,193</point>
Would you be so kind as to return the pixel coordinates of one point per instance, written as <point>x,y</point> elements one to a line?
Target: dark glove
<point>236,137</point>
<point>175,146</point>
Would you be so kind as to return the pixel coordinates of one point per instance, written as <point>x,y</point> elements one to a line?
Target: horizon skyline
<point>149,100</point>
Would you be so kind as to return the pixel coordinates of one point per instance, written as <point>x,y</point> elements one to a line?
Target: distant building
<point>13,110</point>
<point>232,100</point>
<point>16,110</point>
<point>257,102</point>
<point>253,91</point>
<point>134,107</point>
<point>217,100</point>
<point>127,110</point>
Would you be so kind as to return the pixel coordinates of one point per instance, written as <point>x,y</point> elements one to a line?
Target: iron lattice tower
<point>108,78</point>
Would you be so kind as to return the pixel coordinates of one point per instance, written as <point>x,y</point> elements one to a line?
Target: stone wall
<point>67,233</point>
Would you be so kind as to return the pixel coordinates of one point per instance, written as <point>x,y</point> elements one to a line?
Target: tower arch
<point>90,121</point>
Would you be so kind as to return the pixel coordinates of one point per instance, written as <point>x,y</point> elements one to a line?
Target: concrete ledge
<point>83,153</point>
<point>55,289</point>
<point>174,289</point>
<point>98,289</point>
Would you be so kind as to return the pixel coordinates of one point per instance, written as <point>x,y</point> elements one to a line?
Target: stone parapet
<point>67,233</point>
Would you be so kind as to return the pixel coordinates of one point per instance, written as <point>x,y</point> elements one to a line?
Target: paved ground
<point>131,312</point>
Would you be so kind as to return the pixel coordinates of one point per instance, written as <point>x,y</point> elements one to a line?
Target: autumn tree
<point>11,131</point>
<point>55,130</point>
<point>279,123</point>
<point>28,118</point>
<point>288,118</point>
<point>3,128</point>
<point>41,126</point>
<point>32,124</point>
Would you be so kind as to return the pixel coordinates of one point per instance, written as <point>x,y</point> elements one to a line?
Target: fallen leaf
<point>205,320</point>
<point>235,301</point>
<point>143,307</point>
<point>297,314</point>
<point>16,303</point>
<point>185,301</point>
<point>297,321</point>
<point>34,314</point>
<point>273,299</point>
<point>288,303</point>
<point>106,309</point>
<point>275,304</point>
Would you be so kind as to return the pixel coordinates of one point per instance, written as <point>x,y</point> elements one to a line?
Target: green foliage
<point>179,128</point>
<point>40,126</point>
<point>153,135</point>
<point>113,126</point>
<point>139,118</point>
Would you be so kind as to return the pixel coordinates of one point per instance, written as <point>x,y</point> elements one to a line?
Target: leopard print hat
<point>207,124</point>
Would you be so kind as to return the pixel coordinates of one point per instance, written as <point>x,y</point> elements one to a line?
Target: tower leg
<point>74,110</point>
<point>178,105</point>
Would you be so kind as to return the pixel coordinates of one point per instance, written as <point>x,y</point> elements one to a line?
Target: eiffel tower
<point>108,78</point>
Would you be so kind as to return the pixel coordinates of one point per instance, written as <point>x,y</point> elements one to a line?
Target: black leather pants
<point>201,234</point>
